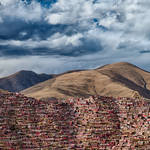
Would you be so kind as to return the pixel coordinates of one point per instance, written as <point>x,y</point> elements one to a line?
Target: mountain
<point>96,122</point>
<point>118,79</point>
<point>22,80</point>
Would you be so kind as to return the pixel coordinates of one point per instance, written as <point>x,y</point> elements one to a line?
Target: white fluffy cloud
<point>8,2</point>
<point>107,30</point>
<point>70,12</point>
<point>16,9</point>
<point>126,22</point>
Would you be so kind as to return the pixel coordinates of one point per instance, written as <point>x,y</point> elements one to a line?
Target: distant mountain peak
<point>119,64</point>
<point>21,80</point>
<point>24,72</point>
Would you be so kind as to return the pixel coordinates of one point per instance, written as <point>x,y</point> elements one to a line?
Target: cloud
<point>15,9</point>
<point>70,12</point>
<point>1,20</point>
<point>8,2</point>
<point>76,30</point>
<point>55,41</point>
<point>56,64</point>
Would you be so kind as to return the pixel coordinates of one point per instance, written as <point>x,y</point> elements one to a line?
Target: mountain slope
<point>22,80</point>
<point>119,79</point>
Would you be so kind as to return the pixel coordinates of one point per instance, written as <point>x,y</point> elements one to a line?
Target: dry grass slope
<point>119,79</point>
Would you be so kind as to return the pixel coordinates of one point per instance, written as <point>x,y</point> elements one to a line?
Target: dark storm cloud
<point>20,30</point>
<point>145,51</point>
<point>13,51</point>
<point>26,27</point>
<point>12,29</point>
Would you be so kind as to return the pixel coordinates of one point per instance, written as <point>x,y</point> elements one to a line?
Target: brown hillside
<point>119,79</point>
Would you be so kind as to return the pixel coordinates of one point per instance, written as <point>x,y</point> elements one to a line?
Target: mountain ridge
<point>22,80</point>
<point>118,79</point>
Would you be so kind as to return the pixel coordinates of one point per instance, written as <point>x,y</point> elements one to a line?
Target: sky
<point>53,36</point>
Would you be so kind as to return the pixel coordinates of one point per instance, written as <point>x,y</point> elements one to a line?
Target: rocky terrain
<point>96,122</point>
